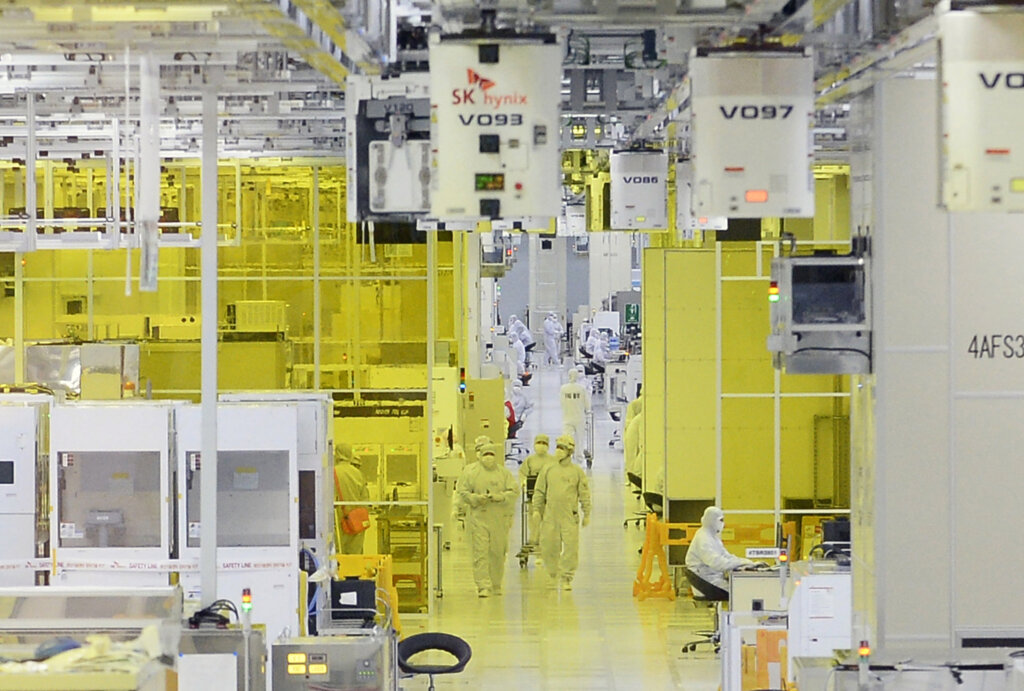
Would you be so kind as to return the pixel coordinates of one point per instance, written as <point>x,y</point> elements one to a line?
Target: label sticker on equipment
<point>992,346</point>
<point>247,479</point>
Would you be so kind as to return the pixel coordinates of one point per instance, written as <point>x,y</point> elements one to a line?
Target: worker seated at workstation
<point>597,346</point>
<point>708,562</point>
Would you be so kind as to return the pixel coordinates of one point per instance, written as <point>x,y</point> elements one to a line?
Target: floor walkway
<point>596,636</point>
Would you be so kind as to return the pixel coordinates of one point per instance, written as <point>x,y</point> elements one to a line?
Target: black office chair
<point>707,594</point>
<point>637,485</point>
<point>655,502</point>
<point>445,642</point>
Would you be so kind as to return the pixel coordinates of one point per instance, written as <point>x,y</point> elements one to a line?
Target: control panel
<point>495,125</point>
<point>362,660</point>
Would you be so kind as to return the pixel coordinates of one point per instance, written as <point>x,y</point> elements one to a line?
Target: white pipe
<point>127,167</point>
<point>114,208</point>
<point>147,170</point>
<point>208,357</point>
<point>30,172</point>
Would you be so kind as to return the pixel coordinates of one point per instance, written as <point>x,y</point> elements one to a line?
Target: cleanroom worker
<point>490,491</point>
<point>529,471</point>
<point>350,486</point>
<point>552,335</point>
<point>561,494</point>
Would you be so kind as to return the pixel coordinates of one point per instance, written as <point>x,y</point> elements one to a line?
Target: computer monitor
<point>354,600</point>
<point>835,531</point>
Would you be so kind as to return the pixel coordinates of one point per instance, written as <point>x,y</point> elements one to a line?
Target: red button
<point>519,185</point>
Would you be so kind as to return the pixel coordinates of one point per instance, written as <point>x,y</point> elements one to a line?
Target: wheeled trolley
<point>527,546</point>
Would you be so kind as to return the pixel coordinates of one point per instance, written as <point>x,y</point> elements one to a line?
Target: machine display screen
<point>828,295</point>
<point>6,472</point>
<point>490,182</point>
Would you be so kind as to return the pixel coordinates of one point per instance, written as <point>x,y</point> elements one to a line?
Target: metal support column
<point>208,349</point>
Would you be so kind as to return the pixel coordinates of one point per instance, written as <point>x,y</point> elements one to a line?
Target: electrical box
<point>573,221</point>
<point>639,193</point>
<point>820,309</point>
<point>258,316</point>
<point>495,121</point>
<point>688,223</point>
<point>387,148</point>
<point>173,327</point>
<point>982,76</point>
<point>753,115</point>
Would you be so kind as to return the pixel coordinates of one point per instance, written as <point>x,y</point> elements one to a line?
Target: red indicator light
<point>997,152</point>
<point>757,196</point>
<point>734,169</point>
<point>519,185</point>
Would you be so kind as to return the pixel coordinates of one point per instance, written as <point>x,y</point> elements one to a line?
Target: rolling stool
<point>712,638</point>
<point>433,641</point>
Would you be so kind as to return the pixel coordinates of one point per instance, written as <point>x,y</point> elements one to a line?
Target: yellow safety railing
<point>656,540</point>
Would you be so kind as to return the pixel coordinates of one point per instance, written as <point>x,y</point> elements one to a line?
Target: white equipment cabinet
<point>495,125</point>
<point>820,611</point>
<point>22,439</point>
<point>639,193</point>
<point>110,492</point>
<point>982,77</point>
<point>257,508</point>
<point>688,223</point>
<point>752,133</point>
<point>315,462</point>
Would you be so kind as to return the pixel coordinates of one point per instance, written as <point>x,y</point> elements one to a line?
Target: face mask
<point>541,448</point>
<point>489,462</point>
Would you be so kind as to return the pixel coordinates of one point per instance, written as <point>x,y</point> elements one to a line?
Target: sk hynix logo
<point>475,78</point>
<point>484,85</point>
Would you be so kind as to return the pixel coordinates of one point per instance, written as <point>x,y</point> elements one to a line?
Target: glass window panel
<point>748,457</point>
<point>109,498</point>
<point>815,453</point>
<point>747,530</point>
<point>746,362</point>
<point>252,499</point>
